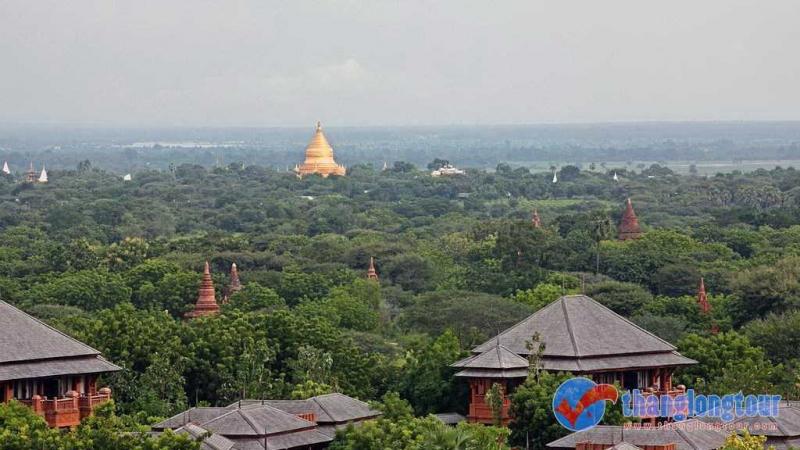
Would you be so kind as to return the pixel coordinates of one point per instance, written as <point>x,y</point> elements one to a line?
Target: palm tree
<point>600,227</point>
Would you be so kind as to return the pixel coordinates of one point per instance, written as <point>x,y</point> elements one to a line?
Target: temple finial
<point>319,126</point>
<point>372,274</point>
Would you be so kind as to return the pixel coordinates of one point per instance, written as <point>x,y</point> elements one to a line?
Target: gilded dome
<point>319,157</point>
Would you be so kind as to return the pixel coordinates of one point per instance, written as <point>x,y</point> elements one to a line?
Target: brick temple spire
<point>206,304</point>
<point>372,274</point>
<point>629,225</point>
<point>535,220</point>
<point>234,286</point>
<point>702,298</point>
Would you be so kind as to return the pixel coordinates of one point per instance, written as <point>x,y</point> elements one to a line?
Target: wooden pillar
<point>91,385</point>
<point>666,379</point>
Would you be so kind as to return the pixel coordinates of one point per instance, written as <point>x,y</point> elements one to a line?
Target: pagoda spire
<point>206,304</point>
<point>30,176</point>
<point>702,298</point>
<point>43,176</point>
<point>535,220</point>
<point>629,225</point>
<point>6,170</point>
<point>234,286</point>
<point>372,274</point>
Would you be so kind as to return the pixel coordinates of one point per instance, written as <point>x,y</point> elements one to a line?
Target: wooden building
<point>272,424</point>
<point>47,370</point>
<point>581,336</point>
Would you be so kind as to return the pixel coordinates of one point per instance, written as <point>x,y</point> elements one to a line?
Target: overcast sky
<point>399,62</point>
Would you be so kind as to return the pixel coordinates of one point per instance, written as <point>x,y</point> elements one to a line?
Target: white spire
<point>6,170</point>
<point>616,178</point>
<point>43,176</point>
<point>127,177</point>
<point>555,177</point>
<point>385,166</point>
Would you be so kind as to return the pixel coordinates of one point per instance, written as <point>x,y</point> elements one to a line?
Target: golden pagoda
<point>319,158</point>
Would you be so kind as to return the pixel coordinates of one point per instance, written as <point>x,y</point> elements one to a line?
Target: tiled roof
<point>54,367</point>
<point>29,348</point>
<point>576,326</point>
<point>210,442</point>
<point>498,357</point>
<point>450,418</point>
<point>690,437</point>
<point>192,415</point>
<point>328,408</point>
<point>255,420</point>
<point>25,338</point>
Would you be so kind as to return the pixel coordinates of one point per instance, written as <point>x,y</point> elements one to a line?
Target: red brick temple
<point>535,220</point>
<point>206,304</point>
<point>372,274</point>
<point>629,225</point>
<point>581,336</point>
<point>49,371</point>
<point>234,285</point>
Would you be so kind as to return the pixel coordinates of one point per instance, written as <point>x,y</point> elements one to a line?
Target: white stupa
<point>385,166</point>
<point>616,178</point>
<point>43,176</point>
<point>6,170</point>
<point>555,177</point>
<point>127,177</point>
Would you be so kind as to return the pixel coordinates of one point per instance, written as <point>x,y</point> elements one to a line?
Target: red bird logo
<point>590,397</point>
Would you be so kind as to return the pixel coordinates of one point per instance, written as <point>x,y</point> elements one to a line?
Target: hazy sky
<point>399,62</point>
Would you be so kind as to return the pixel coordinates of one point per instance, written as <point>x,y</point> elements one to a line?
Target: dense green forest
<point>117,264</point>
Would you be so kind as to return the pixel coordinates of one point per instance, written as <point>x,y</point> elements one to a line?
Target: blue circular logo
<point>579,403</point>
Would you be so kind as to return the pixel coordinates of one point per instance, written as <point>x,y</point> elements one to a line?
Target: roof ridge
<point>672,347</point>
<point>249,422</point>
<point>502,333</point>
<point>569,326</point>
<point>315,400</point>
<point>686,438</point>
<point>96,352</point>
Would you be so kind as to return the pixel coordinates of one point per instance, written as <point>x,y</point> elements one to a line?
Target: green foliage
<point>745,441</point>
<point>21,429</point>
<point>778,335</point>
<point>622,298</point>
<point>427,379</point>
<point>88,289</point>
<point>728,362</point>
<point>426,433</point>
<point>765,289</point>
<point>540,296</point>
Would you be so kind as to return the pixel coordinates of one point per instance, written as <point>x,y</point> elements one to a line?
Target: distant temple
<point>319,158</point>
<point>581,336</point>
<point>535,220</point>
<point>206,304</point>
<point>629,225</point>
<point>702,298</point>
<point>234,286</point>
<point>6,170</point>
<point>43,175</point>
<point>372,274</point>
<point>30,175</point>
<point>52,373</point>
<point>271,424</point>
<point>447,171</point>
